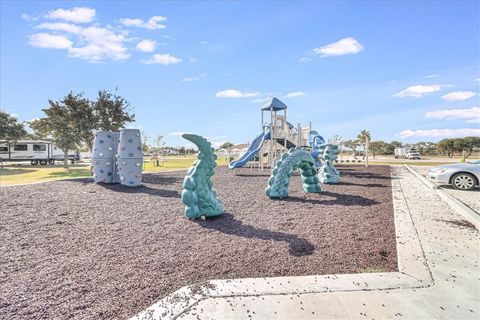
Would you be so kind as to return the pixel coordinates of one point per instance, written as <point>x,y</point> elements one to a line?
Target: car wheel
<point>51,161</point>
<point>34,162</point>
<point>463,181</point>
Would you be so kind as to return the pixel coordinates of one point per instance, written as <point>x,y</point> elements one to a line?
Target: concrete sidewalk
<point>438,276</point>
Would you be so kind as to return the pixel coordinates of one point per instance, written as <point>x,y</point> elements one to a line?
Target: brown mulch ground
<point>73,249</point>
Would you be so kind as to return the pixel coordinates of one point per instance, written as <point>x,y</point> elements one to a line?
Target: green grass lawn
<point>21,174</point>
<point>175,163</point>
<point>16,174</point>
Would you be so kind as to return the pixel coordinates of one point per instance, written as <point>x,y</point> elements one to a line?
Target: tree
<point>446,146</point>
<point>467,145</point>
<point>351,144</point>
<point>10,128</point>
<point>112,111</point>
<point>336,139</point>
<point>396,144</point>
<point>145,146</point>
<point>159,141</point>
<point>226,145</point>
<point>60,125</point>
<point>426,147</point>
<point>82,111</point>
<point>364,136</point>
<point>379,147</point>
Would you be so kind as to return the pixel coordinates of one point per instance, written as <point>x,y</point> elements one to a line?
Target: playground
<point>284,212</point>
<point>91,251</point>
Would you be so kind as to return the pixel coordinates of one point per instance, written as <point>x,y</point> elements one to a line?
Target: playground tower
<point>277,137</point>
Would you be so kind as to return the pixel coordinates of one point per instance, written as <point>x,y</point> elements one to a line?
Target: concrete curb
<point>465,211</point>
<point>428,183</point>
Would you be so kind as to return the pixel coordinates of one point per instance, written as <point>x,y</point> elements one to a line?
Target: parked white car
<point>463,176</point>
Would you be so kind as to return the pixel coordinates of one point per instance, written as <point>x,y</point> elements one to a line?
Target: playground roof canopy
<point>274,104</point>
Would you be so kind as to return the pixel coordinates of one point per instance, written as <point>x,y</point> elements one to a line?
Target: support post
<point>285,129</point>
<point>366,152</point>
<point>260,156</point>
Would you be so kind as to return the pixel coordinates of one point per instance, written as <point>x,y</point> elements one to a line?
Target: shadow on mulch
<point>374,185</point>
<point>142,189</point>
<point>363,175</point>
<point>153,179</point>
<point>252,175</point>
<point>161,180</point>
<point>227,224</point>
<point>340,199</point>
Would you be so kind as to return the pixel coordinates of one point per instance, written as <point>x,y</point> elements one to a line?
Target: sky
<point>407,71</point>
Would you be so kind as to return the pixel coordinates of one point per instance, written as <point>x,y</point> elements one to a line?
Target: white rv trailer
<point>35,151</point>
<point>406,153</point>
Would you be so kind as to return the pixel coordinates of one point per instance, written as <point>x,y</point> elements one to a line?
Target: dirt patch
<point>76,250</point>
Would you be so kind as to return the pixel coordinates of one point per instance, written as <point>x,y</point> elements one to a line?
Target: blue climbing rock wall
<point>130,157</point>
<point>103,157</point>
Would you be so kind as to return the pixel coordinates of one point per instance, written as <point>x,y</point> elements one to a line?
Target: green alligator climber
<point>295,158</point>
<point>197,195</point>
<point>328,174</point>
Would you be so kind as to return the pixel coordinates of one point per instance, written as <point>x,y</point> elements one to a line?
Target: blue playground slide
<point>315,141</point>
<point>254,148</point>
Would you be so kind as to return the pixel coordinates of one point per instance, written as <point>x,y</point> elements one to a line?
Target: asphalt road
<point>469,198</point>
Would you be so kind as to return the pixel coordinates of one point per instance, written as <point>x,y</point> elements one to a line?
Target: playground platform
<point>437,277</point>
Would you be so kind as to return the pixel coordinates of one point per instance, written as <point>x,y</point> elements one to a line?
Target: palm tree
<point>364,136</point>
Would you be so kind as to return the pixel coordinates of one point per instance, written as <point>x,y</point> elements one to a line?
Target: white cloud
<point>439,133</point>
<point>76,15</point>
<point>163,58</point>
<point>430,76</point>
<point>60,26</point>
<point>420,90</point>
<point>153,23</point>
<point>146,45</point>
<point>295,94</point>
<point>204,42</point>
<point>472,115</point>
<point>92,43</point>
<point>28,17</point>
<point>305,59</point>
<point>47,40</point>
<point>100,44</point>
<point>341,47</point>
<point>196,78</point>
<point>459,96</point>
<point>233,93</point>
<point>477,81</point>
